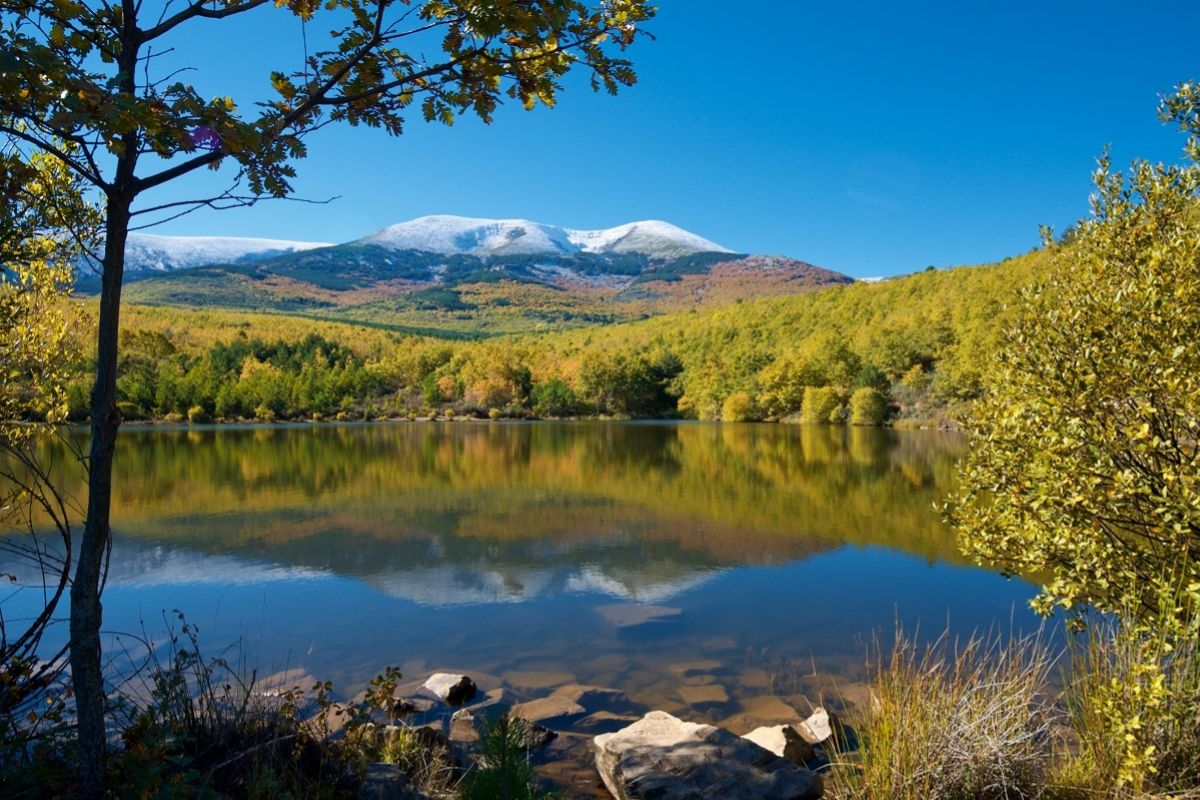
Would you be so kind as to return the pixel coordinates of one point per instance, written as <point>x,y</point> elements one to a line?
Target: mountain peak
<point>452,235</point>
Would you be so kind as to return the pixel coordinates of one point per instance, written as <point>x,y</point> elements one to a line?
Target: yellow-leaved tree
<point>1085,466</point>
<point>41,200</point>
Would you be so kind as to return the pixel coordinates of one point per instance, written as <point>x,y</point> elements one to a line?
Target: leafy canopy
<point>36,342</point>
<point>81,72</point>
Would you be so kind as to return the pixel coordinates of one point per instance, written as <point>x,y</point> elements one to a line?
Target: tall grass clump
<point>953,721</point>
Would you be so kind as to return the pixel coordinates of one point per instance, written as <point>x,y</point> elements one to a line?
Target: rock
<point>295,680</point>
<point>559,709</point>
<point>538,679</point>
<point>536,736</point>
<point>596,698</point>
<point>462,727</point>
<point>453,689</point>
<point>404,707</point>
<point>496,699</point>
<point>604,722</point>
<point>754,678</point>
<point>859,696</point>
<point>702,679</point>
<point>688,669</point>
<point>712,694</point>
<point>328,722</point>
<point>384,782</point>
<point>769,708</point>
<point>664,758</point>
<point>629,615</point>
<point>818,727</point>
<point>783,740</point>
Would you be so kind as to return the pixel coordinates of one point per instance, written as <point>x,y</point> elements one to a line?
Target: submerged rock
<point>546,709</point>
<point>463,728</point>
<point>711,694</point>
<point>630,615</point>
<point>665,758</point>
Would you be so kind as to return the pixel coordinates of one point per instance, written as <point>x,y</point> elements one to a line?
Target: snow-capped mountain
<point>145,252</point>
<point>451,235</point>
<point>432,266</point>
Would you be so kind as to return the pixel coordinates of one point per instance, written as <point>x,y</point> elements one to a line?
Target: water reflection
<point>491,546</point>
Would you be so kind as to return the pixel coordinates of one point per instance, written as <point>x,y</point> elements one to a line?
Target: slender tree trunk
<point>87,674</point>
<point>87,613</point>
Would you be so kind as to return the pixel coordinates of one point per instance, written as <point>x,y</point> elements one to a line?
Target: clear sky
<point>874,138</point>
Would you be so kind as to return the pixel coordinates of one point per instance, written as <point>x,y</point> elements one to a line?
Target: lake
<point>549,553</point>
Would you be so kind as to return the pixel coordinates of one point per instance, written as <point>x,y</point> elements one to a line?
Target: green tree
<point>821,405</point>
<point>868,406</point>
<point>84,75</point>
<point>739,407</point>
<point>1085,465</point>
<point>554,398</point>
<point>1085,461</point>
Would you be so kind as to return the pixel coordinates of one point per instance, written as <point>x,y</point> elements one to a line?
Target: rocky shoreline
<point>596,742</point>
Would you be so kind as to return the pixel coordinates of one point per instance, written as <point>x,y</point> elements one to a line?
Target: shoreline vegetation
<point>990,717</point>
<point>907,352</point>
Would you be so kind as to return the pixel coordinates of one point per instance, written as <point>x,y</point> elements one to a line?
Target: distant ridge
<point>464,275</point>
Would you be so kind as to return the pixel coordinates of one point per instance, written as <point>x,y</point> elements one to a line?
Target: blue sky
<point>871,138</point>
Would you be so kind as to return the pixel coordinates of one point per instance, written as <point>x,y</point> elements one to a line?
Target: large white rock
<point>665,758</point>
<point>783,740</point>
<point>453,689</point>
<point>816,728</point>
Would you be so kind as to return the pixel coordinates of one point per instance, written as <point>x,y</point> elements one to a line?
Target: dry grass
<point>953,721</point>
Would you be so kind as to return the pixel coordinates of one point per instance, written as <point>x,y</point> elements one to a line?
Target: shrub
<point>1135,706</point>
<point>821,404</point>
<point>554,398</point>
<point>198,415</point>
<point>868,407</point>
<point>738,407</point>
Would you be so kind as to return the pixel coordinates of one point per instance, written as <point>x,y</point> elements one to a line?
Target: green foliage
<point>1085,465</point>
<point>739,407</point>
<point>921,340</point>
<point>1134,703</point>
<point>821,405</point>
<point>36,341</point>
<point>868,407</point>
<point>554,398</point>
<point>503,771</point>
<point>628,384</point>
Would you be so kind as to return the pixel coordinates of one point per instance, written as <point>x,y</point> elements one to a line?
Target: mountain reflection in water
<point>492,546</point>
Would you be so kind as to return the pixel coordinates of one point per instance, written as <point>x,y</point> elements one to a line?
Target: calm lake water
<point>548,553</point>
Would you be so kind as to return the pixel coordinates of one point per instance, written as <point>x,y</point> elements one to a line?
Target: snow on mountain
<point>650,237</point>
<point>451,235</point>
<point>151,252</point>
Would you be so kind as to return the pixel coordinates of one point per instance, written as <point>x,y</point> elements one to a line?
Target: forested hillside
<point>905,350</point>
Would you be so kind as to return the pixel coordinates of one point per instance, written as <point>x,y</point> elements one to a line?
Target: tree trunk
<point>87,614</point>
<point>87,674</point>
